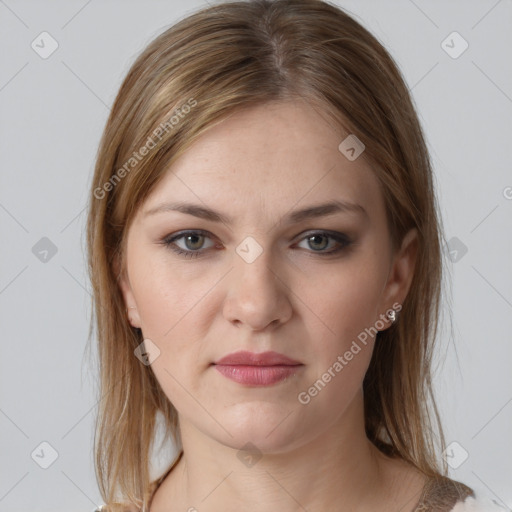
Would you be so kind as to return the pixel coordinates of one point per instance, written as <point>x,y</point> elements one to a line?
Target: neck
<point>333,471</point>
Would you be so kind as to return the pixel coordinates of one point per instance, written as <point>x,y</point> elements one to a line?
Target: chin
<point>268,426</point>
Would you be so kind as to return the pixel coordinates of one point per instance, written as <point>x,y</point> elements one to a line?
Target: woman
<point>265,253</point>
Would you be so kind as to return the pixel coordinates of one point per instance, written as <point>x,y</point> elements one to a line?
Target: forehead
<point>269,157</point>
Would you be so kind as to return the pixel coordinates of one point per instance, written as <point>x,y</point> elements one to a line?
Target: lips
<point>252,369</point>
<point>244,357</point>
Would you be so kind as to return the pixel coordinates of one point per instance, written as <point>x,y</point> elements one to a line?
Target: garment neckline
<point>440,493</point>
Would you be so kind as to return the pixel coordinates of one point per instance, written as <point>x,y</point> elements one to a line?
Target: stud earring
<point>392,316</point>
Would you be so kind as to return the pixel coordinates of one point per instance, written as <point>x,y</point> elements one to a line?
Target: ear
<point>126,290</point>
<point>401,274</point>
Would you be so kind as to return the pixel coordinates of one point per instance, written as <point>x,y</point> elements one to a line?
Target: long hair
<point>217,61</point>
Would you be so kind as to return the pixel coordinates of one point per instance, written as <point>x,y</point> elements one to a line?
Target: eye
<point>193,242</point>
<point>319,242</point>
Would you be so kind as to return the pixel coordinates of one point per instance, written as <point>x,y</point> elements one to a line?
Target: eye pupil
<point>189,237</point>
<point>316,237</point>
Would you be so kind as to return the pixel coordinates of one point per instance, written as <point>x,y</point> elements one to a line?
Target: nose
<point>258,296</point>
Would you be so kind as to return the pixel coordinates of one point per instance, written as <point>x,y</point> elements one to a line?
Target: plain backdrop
<point>53,111</point>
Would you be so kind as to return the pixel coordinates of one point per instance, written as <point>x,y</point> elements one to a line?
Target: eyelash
<point>168,242</point>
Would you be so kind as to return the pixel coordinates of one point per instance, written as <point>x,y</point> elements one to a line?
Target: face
<point>256,265</point>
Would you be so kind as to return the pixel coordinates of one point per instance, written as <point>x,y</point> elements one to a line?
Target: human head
<point>171,96</point>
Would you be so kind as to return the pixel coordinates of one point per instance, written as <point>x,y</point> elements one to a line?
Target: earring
<point>392,316</point>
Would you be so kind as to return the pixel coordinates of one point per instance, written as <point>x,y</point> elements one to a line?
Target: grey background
<point>52,115</point>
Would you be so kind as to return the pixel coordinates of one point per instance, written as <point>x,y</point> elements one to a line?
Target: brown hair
<point>219,60</point>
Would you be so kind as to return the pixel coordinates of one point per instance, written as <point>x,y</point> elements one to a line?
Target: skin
<point>257,166</point>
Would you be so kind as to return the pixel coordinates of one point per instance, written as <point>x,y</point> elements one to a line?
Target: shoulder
<point>443,494</point>
<point>478,503</point>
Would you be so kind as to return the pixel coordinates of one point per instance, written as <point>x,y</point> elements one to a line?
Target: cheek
<point>341,345</point>
<point>340,352</point>
<point>168,298</point>
<point>175,314</point>
<point>169,305</point>
<point>347,301</point>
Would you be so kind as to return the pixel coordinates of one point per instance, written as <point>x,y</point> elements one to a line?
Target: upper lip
<point>243,357</point>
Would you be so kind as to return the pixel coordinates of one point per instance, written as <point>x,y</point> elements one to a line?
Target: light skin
<point>258,167</point>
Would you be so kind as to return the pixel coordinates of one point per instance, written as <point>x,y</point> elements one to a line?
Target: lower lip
<point>257,375</point>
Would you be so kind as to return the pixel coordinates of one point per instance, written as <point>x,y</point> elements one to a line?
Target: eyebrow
<point>310,212</point>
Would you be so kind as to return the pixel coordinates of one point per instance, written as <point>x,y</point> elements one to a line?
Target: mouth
<point>252,369</point>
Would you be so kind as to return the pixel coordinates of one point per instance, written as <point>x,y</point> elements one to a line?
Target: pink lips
<point>254,369</point>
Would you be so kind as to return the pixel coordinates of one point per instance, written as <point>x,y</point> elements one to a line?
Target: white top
<point>479,504</point>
